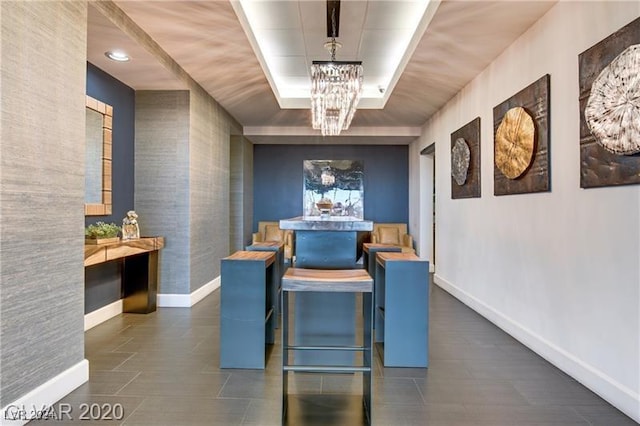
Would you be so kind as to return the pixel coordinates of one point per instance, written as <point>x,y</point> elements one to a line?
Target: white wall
<point>558,270</point>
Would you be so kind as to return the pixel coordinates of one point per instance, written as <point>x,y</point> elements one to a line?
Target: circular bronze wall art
<point>613,109</point>
<point>515,142</point>
<point>460,156</point>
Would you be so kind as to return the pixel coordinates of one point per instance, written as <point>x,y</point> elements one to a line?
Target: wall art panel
<point>521,141</point>
<point>465,161</point>
<point>609,81</point>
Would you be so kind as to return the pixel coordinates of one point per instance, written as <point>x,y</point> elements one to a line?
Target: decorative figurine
<point>130,229</point>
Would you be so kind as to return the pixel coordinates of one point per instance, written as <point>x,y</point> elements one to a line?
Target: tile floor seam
<point>123,343</point>
<point>587,421</point>
<point>123,361</point>
<point>128,383</point>
<point>246,411</point>
<point>223,385</point>
<point>134,410</point>
<point>424,401</point>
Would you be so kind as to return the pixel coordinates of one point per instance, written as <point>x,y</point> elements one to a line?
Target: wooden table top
<point>332,280</point>
<point>100,253</point>
<point>265,256</point>
<point>382,257</point>
<point>268,244</point>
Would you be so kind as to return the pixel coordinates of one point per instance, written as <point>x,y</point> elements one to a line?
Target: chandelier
<point>336,86</point>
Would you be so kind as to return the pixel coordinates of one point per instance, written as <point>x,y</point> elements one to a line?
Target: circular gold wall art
<point>515,142</point>
<point>613,109</point>
<point>460,158</point>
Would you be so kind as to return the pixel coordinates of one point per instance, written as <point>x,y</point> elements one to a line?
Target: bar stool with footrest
<point>340,280</point>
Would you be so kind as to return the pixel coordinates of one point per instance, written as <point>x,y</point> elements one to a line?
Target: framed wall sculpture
<point>609,82</point>
<point>521,141</point>
<point>333,188</point>
<point>465,161</point>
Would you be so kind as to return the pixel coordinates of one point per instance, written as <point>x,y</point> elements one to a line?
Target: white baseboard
<point>618,395</point>
<point>101,315</point>
<point>36,403</point>
<point>188,300</point>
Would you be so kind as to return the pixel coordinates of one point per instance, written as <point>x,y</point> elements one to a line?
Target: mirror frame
<point>104,208</point>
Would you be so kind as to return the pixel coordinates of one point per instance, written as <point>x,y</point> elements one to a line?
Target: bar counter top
<point>331,223</point>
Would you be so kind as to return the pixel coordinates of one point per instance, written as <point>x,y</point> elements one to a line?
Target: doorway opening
<point>428,205</point>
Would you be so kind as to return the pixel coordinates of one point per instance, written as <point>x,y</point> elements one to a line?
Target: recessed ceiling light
<point>117,55</point>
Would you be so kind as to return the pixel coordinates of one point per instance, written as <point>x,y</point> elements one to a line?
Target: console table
<point>139,269</point>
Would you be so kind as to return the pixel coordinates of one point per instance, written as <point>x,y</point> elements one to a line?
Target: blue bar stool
<point>341,280</point>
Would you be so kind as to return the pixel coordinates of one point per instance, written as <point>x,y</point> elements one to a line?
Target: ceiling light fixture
<point>336,86</point>
<point>117,55</point>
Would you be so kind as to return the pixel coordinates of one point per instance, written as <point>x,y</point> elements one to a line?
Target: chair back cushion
<point>273,233</point>
<point>388,235</point>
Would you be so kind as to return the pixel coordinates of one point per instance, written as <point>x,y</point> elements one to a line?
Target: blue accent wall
<point>121,97</point>
<point>102,282</point>
<point>277,179</point>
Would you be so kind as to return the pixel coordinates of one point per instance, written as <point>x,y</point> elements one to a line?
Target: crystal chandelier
<point>336,86</point>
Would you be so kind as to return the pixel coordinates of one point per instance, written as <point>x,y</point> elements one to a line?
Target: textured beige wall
<point>161,195</point>
<point>209,159</point>
<point>43,61</point>
<point>241,193</point>
<point>206,159</point>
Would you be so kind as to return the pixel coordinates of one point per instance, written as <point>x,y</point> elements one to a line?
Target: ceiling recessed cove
<point>287,36</point>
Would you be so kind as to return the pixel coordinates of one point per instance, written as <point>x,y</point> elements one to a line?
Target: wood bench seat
<point>345,280</point>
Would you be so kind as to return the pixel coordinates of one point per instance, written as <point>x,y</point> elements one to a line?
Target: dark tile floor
<point>162,369</point>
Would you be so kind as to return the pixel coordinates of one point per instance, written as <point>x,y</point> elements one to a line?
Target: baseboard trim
<point>45,396</point>
<point>618,395</point>
<point>102,314</point>
<point>188,300</point>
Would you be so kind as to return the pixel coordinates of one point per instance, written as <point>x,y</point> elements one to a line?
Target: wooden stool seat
<point>347,280</point>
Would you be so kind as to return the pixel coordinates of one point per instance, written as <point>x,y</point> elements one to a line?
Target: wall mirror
<point>333,188</point>
<point>97,181</point>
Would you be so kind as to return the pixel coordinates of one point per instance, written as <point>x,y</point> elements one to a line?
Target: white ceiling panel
<point>352,16</point>
<point>387,42</point>
<point>275,14</point>
<point>278,42</point>
<point>290,66</point>
<point>313,15</point>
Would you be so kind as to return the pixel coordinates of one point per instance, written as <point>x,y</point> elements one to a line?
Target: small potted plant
<point>101,233</point>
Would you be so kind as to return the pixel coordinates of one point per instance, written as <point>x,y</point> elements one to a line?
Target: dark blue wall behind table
<point>121,97</point>
<point>277,179</point>
<point>102,282</point>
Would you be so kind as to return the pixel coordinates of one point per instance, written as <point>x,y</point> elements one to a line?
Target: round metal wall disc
<point>515,143</point>
<point>613,109</point>
<point>460,157</point>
